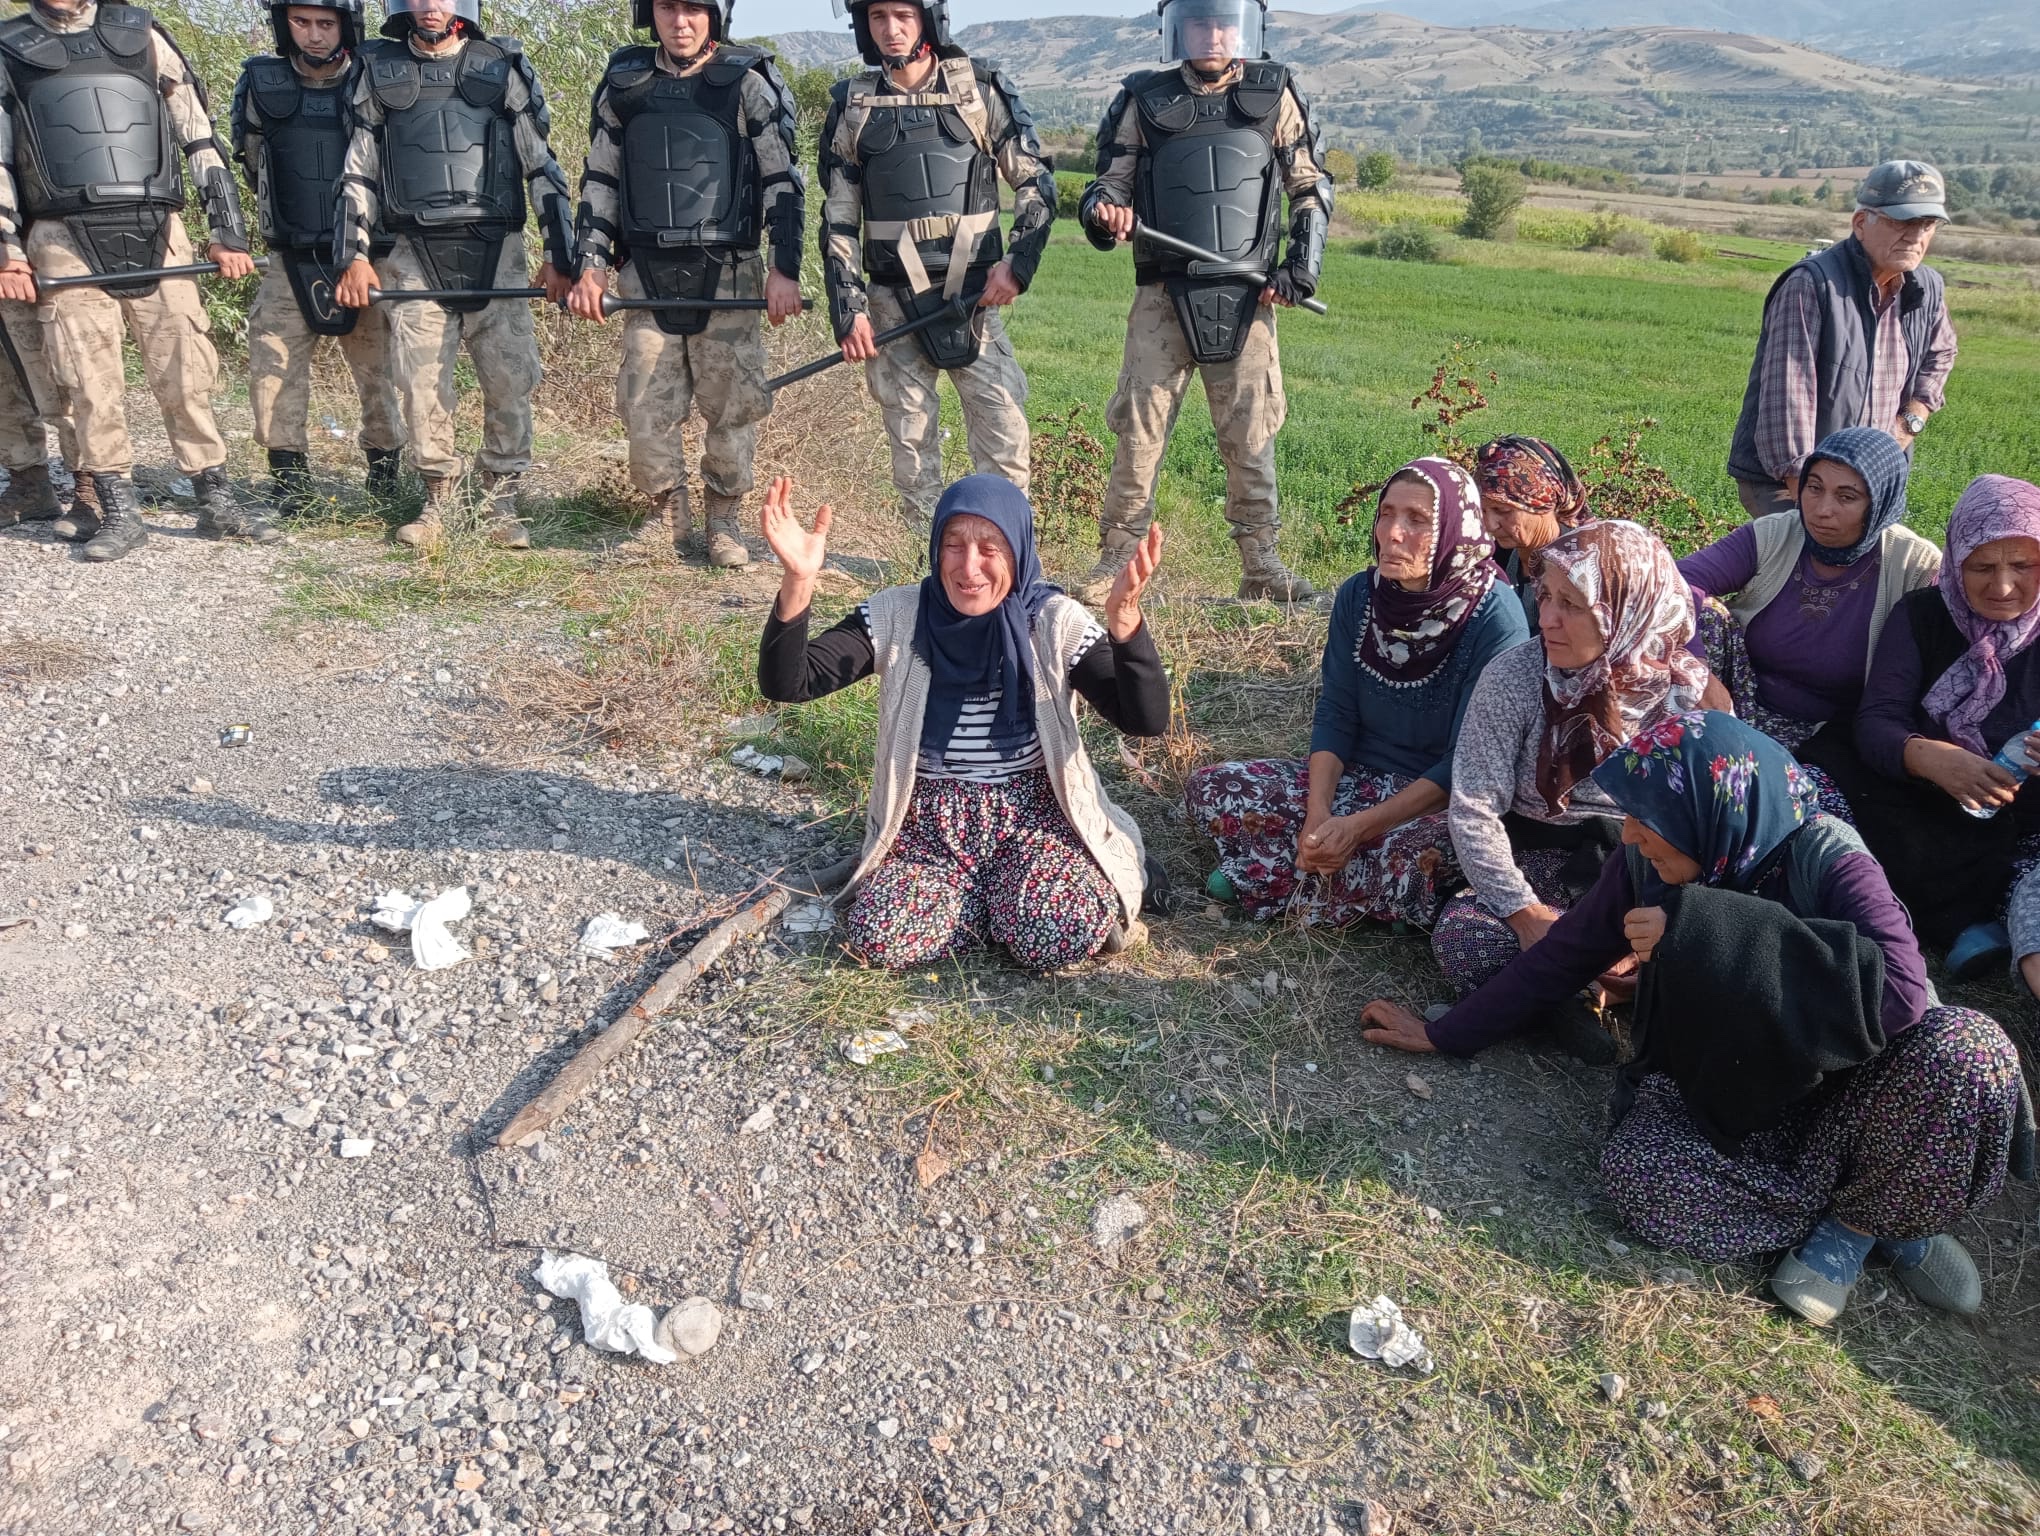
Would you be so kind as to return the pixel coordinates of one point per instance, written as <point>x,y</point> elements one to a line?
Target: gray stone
<point>692,1328</point>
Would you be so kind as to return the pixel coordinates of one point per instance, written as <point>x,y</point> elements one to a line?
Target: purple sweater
<point>1589,938</point>
<point>1808,645</point>
<point>1890,714</point>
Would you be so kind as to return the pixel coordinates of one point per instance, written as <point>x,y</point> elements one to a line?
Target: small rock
<point>356,1146</point>
<point>1115,1221</point>
<point>286,1435</point>
<point>1807,1467</point>
<point>762,1119</point>
<point>359,1428</point>
<point>1613,1386</point>
<point>1375,1519</point>
<point>1657,1408</point>
<point>809,1364</point>
<point>76,931</point>
<point>303,1117</point>
<point>1676,1275</point>
<point>1618,1248</point>
<point>692,1327</point>
<point>199,787</point>
<point>1418,1086</point>
<point>887,1428</point>
<point>756,1301</point>
<point>792,770</point>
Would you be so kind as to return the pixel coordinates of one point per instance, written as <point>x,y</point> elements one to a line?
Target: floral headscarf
<point>1994,507</point>
<point>1528,472</point>
<point>1644,611</point>
<point>1721,792</point>
<point>1408,634</point>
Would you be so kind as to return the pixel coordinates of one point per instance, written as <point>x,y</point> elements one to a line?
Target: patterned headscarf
<point>1884,467</point>
<point>1408,634</point>
<point>1994,507</point>
<point>1529,473</point>
<point>1721,792</point>
<point>1644,611</point>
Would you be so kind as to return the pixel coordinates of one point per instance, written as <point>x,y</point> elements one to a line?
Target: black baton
<point>1154,236</point>
<point>123,279</point>
<point>611,305</point>
<point>927,322</point>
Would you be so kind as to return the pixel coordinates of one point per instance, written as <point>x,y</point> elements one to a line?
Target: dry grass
<point>33,661</point>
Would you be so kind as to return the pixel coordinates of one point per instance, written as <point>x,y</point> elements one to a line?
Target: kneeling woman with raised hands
<point>987,820</point>
<point>1792,1086</point>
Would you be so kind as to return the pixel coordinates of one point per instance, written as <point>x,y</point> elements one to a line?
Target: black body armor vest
<point>304,132</point>
<point>689,175</point>
<point>923,163</point>
<point>449,153</point>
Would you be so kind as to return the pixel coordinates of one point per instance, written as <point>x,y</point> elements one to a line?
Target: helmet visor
<point>467,10</point>
<point>1194,30</point>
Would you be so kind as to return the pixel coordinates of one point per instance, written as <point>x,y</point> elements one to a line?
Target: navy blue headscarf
<point>1721,792</point>
<point>969,657</point>
<point>1884,466</point>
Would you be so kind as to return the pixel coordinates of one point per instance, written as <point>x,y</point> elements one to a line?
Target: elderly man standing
<point>1856,335</point>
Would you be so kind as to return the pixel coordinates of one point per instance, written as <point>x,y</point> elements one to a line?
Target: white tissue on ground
<point>748,756</point>
<point>433,945</point>
<point>606,1321</point>
<point>1377,1332</point>
<point>608,932</point>
<point>249,912</point>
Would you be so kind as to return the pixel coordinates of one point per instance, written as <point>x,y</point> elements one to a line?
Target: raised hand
<point>800,552</point>
<point>1122,604</point>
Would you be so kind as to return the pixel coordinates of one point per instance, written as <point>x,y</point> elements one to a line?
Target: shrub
<point>1680,245</point>
<point>1493,194</point>
<point>1071,467</point>
<point>1069,191</point>
<point>1602,232</point>
<point>1341,166</point>
<point>1376,170</point>
<point>1408,240</point>
<point>1630,242</point>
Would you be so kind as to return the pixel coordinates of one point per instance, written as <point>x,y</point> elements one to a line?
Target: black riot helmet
<point>934,30</point>
<point>402,21</point>
<point>719,16</point>
<point>349,11</point>
<point>1196,29</point>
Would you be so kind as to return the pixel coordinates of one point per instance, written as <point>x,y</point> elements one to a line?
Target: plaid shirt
<point>1788,392</point>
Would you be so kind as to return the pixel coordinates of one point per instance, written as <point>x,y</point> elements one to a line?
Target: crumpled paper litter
<point>606,1322</point>
<point>433,945</point>
<point>1377,1332</point>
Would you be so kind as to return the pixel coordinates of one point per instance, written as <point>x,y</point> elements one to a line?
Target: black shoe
<point>1575,1027</point>
<point>29,497</point>
<point>220,513</point>
<point>1159,898</point>
<point>384,466</point>
<point>292,472</point>
<point>120,530</point>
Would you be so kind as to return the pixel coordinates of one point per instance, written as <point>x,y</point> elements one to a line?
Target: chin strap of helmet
<point>434,39</point>
<point>902,60</point>
<point>1211,76</point>
<point>693,58</point>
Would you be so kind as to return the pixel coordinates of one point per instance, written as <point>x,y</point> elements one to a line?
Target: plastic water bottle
<point>2012,759</point>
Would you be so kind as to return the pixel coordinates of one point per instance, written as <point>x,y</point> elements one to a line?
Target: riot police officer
<point>690,166</point>
<point>290,133</point>
<point>450,132</point>
<point>911,154</point>
<point>103,113</point>
<point>1204,150</point>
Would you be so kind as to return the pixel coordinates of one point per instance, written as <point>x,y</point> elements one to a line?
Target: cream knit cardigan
<point>1106,831</point>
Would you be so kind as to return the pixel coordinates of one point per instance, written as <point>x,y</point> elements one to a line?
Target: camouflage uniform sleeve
<point>531,122</point>
<point>191,120</point>
<point>1301,150</point>
<point>1119,147</point>
<point>360,179</point>
<point>771,125</point>
<point>842,218</point>
<point>600,220</point>
<point>12,234</point>
<point>1011,127</point>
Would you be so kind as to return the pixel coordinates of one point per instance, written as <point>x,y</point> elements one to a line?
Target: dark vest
<point>92,133</point>
<point>1841,275</point>
<point>690,178</point>
<point>449,155</point>
<point>922,163</point>
<point>1207,173</point>
<point>304,133</point>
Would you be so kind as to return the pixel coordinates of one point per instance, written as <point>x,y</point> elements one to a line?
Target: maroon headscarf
<point>1408,634</point>
<point>1994,507</point>
<point>1529,473</point>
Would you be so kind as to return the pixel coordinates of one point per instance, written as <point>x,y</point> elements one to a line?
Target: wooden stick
<point>580,1073</point>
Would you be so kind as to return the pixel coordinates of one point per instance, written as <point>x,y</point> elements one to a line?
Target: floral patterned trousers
<point>1254,812</point>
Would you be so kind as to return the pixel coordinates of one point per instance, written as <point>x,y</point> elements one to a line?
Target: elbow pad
<point>222,202</point>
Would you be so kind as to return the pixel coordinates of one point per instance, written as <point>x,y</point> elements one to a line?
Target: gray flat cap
<point>1904,189</point>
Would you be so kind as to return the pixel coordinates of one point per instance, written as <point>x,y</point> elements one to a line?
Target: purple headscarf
<point>1994,507</point>
<point>1408,634</point>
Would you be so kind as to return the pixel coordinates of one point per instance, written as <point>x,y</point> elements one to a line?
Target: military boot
<point>1263,573</point>
<point>1116,544</point>
<point>669,525</point>
<point>429,527</point>
<point>384,466</point>
<point>500,522</point>
<point>29,497</point>
<point>220,512</point>
<point>81,523</point>
<point>121,530</point>
<point>291,494</point>
<point>726,545</point>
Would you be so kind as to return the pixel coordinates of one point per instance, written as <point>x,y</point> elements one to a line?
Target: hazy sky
<point>760,16</point>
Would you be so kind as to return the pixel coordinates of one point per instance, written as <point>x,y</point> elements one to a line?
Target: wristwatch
<point>1914,424</point>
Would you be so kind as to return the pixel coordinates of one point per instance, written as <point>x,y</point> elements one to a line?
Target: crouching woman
<point>1793,1086</point>
<point>987,821</point>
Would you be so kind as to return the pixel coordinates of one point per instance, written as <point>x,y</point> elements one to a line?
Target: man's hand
<point>17,282</point>
<point>858,347</point>
<point>557,284</point>
<point>351,292</point>
<point>232,264</point>
<point>1114,220</point>
<point>1644,927</point>
<point>1533,922</point>
<point>1001,288</point>
<point>1392,1025</point>
<point>782,297</point>
<point>585,297</point>
<point>1122,604</point>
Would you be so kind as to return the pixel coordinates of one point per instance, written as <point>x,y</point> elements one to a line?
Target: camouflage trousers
<point>25,413</point>
<point>992,391</point>
<point>425,342</point>
<point>280,352</point>
<point>719,372</point>
<point>82,333</point>
<point>1247,410</point>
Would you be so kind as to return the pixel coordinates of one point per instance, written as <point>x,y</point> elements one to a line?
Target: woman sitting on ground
<point>1956,680</point>
<point>1529,496</point>
<point>1530,828</point>
<point>1365,815</point>
<point>1794,1088</point>
<point>987,820</point>
<point>1806,597</point>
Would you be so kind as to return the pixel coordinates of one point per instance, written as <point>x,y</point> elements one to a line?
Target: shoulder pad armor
<point>483,77</point>
<point>124,29</point>
<point>1166,101</point>
<point>32,43</point>
<point>727,65</point>
<point>393,77</point>
<point>628,66</point>
<point>1260,88</point>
